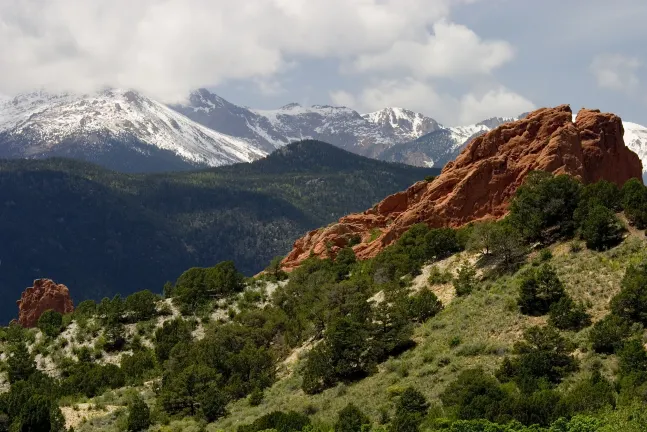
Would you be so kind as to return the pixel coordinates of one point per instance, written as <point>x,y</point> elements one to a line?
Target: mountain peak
<point>291,105</point>
<point>406,124</point>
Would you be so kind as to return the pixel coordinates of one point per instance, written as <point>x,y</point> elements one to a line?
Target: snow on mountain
<point>367,135</point>
<point>439,146</point>
<point>403,123</point>
<point>111,124</point>
<point>636,139</point>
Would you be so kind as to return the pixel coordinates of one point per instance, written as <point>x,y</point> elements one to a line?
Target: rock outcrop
<point>481,181</point>
<point>44,295</point>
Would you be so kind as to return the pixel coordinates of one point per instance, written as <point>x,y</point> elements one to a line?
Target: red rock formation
<point>481,181</point>
<point>44,295</point>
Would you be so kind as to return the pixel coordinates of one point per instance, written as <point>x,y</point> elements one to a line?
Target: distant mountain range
<point>127,131</point>
<point>102,232</point>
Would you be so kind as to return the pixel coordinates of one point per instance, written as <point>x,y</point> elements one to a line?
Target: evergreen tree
<point>351,419</point>
<point>138,415</point>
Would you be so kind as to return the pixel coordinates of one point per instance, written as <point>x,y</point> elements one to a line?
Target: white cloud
<point>499,102</point>
<point>421,96</point>
<point>343,98</point>
<point>616,71</point>
<point>168,47</point>
<point>451,51</point>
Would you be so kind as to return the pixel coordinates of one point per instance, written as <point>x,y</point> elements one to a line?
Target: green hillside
<point>534,323</point>
<point>101,232</point>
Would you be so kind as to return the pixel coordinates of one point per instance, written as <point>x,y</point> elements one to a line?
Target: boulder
<point>43,295</point>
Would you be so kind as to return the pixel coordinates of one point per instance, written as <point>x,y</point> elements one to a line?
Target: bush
<point>634,202</point>
<point>410,411</point>
<point>279,421</point>
<point>20,364</point>
<point>439,277</point>
<point>213,403</point>
<point>601,229</point>
<point>544,206</point>
<point>631,302</point>
<point>142,305</point>
<point>565,314</point>
<point>441,243</point>
<point>632,358</point>
<point>167,336</point>
<point>136,365</point>
<point>256,397</point>
<point>351,419</point>
<point>538,290</point>
<point>138,415</point>
<point>423,305</point>
<point>50,323</point>
<point>197,286</point>
<point>607,334</point>
<point>474,395</point>
<point>465,281</point>
<point>591,395</point>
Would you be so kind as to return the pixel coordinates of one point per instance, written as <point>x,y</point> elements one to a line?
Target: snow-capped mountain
<point>367,135</point>
<point>636,139</point>
<point>441,145</point>
<point>120,129</point>
<point>403,123</point>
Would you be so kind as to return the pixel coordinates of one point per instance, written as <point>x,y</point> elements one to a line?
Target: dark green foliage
<point>422,305</point>
<point>474,395</point>
<point>591,395</point>
<point>634,202</point>
<point>274,271</point>
<point>167,336</point>
<point>607,334</point>
<point>138,415</point>
<point>543,356</point>
<point>136,366</point>
<point>114,336</point>
<point>256,397</point>
<point>539,288</point>
<point>182,393</point>
<point>153,227</point>
<point>601,229</point>
<point>50,323</point>
<point>541,407</point>
<point>197,286</point>
<point>631,302</point>
<point>90,379</point>
<point>141,306</point>
<point>565,314</point>
<point>111,311</point>
<point>441,243</point>
<point>351,419</point>
<point>213,403</point>
<point>632,358</point>
<point>85,309</point>
<point>498,239</point>
<point>543,207</point>
<point>20,364</point>
<point>465,281</point>
<point>39,414</point>
<point>281,421</point>
<point>603,192</point>
<point>410,411</point>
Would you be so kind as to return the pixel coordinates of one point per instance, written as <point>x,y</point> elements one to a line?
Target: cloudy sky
<point>458,61</point>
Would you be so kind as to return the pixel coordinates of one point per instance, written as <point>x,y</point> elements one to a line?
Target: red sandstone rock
<point>481,181</point>
<point>44,295</point>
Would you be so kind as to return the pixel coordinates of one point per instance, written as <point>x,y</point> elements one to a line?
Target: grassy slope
<point>487,322</point>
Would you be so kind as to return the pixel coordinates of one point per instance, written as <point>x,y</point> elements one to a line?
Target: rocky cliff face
<point>44,295</point>
<point>481,181</point>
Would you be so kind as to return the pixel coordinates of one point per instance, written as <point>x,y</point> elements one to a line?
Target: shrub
<point>136,365</point>
<point>544,205</point>
<point>409,411</point>
<point>274,271</point>
<point>213,403</point>
<point>351,419</point>
<point>278,420</point>
<point>142,305</point>
<point>601,229</point>
<point>590,395</point>
<point>441,243</point>
<point>465,281</point>
<point>50,323</point>
<point>167,336</point>
<point>197,285</point>
<point>565,314</point>
<point>138,415</point>
<point>423,305</point>
<point>631,302</point>
<point>632,358</point>
<point>538,290</point>
<point>473,395</point>
<point>439,277</point>
<point>20,364</point>
<point>634,202</point>
<point>607,334</point>
<point>256,397</point>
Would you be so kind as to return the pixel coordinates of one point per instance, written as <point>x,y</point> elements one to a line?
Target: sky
<point>458,61</point>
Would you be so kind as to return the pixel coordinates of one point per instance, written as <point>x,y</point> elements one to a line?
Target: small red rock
<point>44,295</point>
<point>480,183</point>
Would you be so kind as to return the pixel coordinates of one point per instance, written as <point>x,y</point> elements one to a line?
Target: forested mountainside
<point>495,327</point>
<point>102,232</point>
